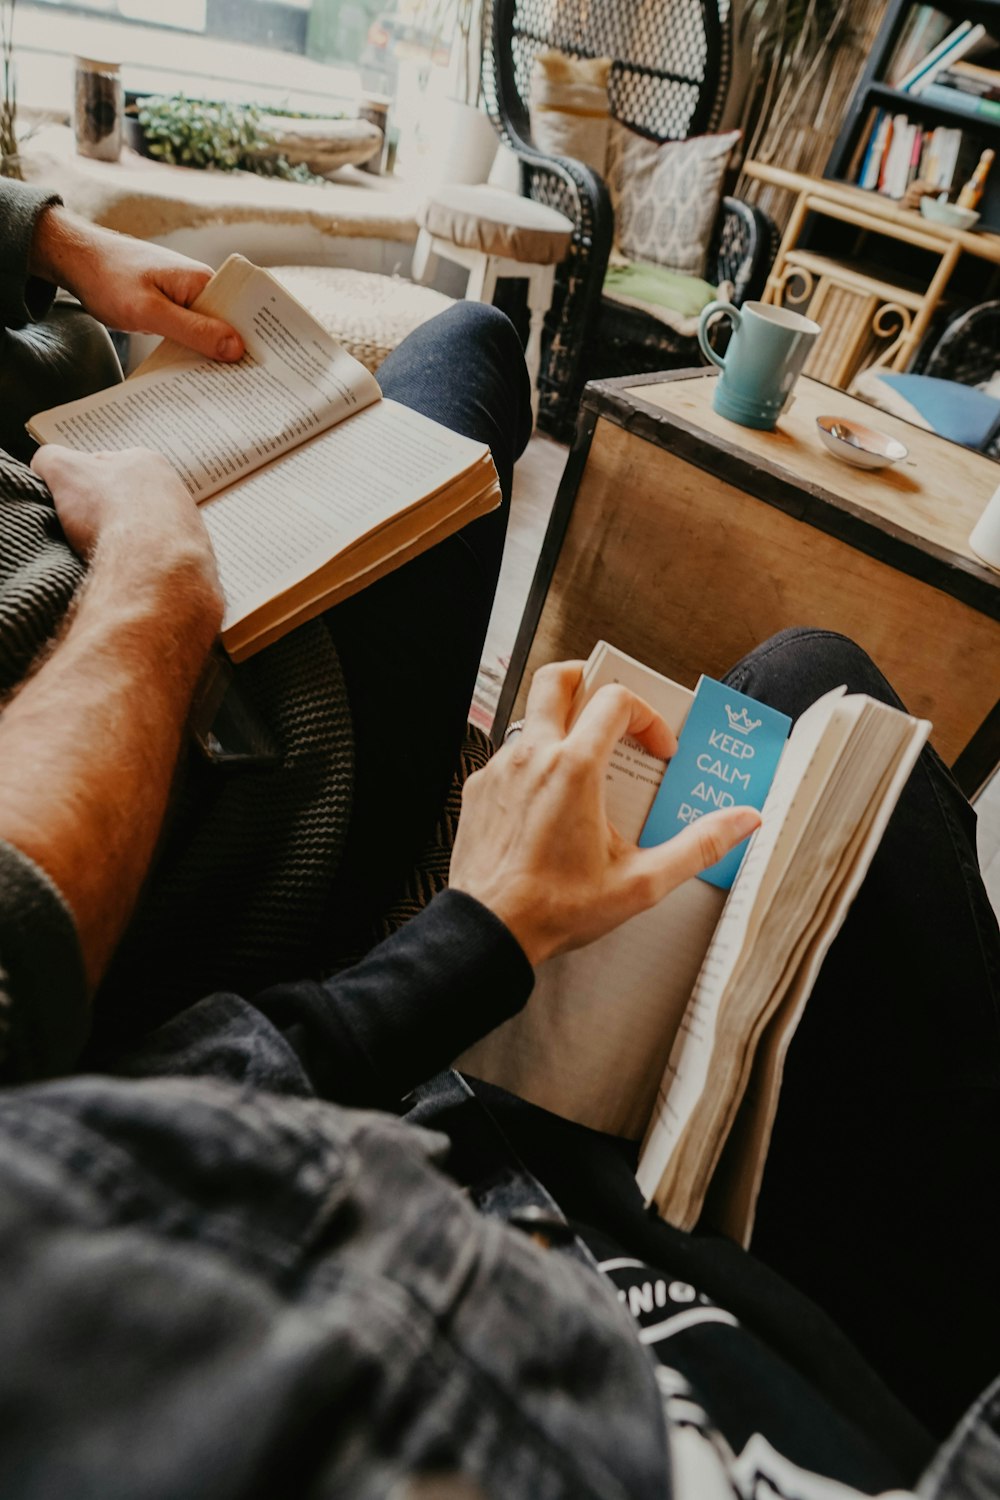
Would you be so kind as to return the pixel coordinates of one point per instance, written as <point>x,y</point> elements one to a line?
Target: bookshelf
<point>869,309</point>
<point>873,93</point>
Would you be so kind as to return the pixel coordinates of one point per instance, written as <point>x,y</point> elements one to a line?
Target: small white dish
<point>948,214</point>
<point>859,445</point>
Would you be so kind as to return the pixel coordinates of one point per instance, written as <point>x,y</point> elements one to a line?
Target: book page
<point>217,422</point>
<point>439,519</point>
<point>274,528</point>
<point>592,1041</point>
<point>633,775</point>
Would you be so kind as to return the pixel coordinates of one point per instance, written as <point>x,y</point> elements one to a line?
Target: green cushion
<point>641,281</point>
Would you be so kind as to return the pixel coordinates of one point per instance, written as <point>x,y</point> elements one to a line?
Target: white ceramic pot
<point>466,143</point>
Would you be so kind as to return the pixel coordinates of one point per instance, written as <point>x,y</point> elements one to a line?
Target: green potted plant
<point>235,137</point>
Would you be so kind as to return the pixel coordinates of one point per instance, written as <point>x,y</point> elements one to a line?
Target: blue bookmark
<point>727,754</point>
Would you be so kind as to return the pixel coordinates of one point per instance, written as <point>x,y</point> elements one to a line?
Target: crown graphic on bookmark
<point>741,723</point>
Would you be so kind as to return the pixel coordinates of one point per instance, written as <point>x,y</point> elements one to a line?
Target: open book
<point>311,485</point>
<point>674,1027</point>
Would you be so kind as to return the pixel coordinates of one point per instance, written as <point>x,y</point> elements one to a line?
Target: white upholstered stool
<point>496,234</point>
<point>369,314</point>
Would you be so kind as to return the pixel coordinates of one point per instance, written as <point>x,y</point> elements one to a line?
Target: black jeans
<point>880,1195</point>
<point>410,645</point>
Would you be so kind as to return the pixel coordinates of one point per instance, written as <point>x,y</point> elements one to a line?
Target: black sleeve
<point>370,1034</point>
<point>23,298</point>
<point>44,1011</point>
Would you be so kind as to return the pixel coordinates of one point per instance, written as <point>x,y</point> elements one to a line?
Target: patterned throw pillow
<point>666,195</point>
<point>568,105</point>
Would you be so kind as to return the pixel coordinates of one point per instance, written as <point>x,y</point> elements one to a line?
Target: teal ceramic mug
<point>766,353</point>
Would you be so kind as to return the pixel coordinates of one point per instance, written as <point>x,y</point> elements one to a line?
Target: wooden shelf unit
<point>873,93</point>
<point>868,311</point>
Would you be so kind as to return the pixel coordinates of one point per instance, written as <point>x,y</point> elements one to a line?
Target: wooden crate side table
<point>686,540</point>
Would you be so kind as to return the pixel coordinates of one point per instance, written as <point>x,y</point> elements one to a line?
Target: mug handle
<point>728,311</point>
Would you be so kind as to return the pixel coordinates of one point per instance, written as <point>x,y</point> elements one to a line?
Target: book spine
<point>930,158</point>
<point>949,157</point>
<point>966,104</point>
<point>955,52</point>
<point>873,156</point>
<point>973,73</point>
<point>915,152</point>
<point>866,147</point>
<point>893,179</point>
<point>983,88</point>
<point>939,54</point>
<point>887,157</point>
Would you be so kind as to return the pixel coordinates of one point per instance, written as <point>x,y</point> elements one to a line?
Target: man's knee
<point>482,324</point>
<point>795,667</point>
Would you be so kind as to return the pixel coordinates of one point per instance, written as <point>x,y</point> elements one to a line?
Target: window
<point>271,51</point>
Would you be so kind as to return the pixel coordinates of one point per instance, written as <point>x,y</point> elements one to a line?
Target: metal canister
<point>98,108</point>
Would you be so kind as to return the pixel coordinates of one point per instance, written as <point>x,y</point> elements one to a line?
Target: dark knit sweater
<point>23,298</point>
<point>43,1006</point>
<point>245,870</point>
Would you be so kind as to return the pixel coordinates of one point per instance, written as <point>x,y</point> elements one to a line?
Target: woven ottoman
<point>367,313</point>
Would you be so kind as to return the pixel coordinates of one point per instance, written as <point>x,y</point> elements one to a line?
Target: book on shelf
<point>973,78</point>
<point>855,170</point>
<point>895,151</point>
<point>896,168</point>
<point>871,161</point>
<point>311,484</point>
<point>674,1028</point>
<point>976,106</point>
<point>940,161</point>
<point>922,30</point>
<point>954,47</point>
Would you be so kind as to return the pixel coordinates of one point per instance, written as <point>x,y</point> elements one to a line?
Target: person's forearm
<point>89,745</point>
<point>62,243</point>
<point>409,1008</point>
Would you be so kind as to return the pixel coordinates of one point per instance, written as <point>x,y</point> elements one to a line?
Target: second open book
<point>674,1028</point>
<point>311,485</point>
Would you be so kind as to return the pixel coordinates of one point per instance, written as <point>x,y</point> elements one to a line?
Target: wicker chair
<point>668,80</point>
<point>968,349</point>
<point>968,352</point>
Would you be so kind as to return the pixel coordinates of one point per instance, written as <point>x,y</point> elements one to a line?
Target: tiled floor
<point>535,483</point>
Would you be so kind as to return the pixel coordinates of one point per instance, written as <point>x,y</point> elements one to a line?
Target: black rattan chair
<point>968,352</point>
<point>668,80</point>
<point>968,349</point>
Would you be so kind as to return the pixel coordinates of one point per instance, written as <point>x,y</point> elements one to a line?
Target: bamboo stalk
<point>8,101</point>
<point>807,73</point>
